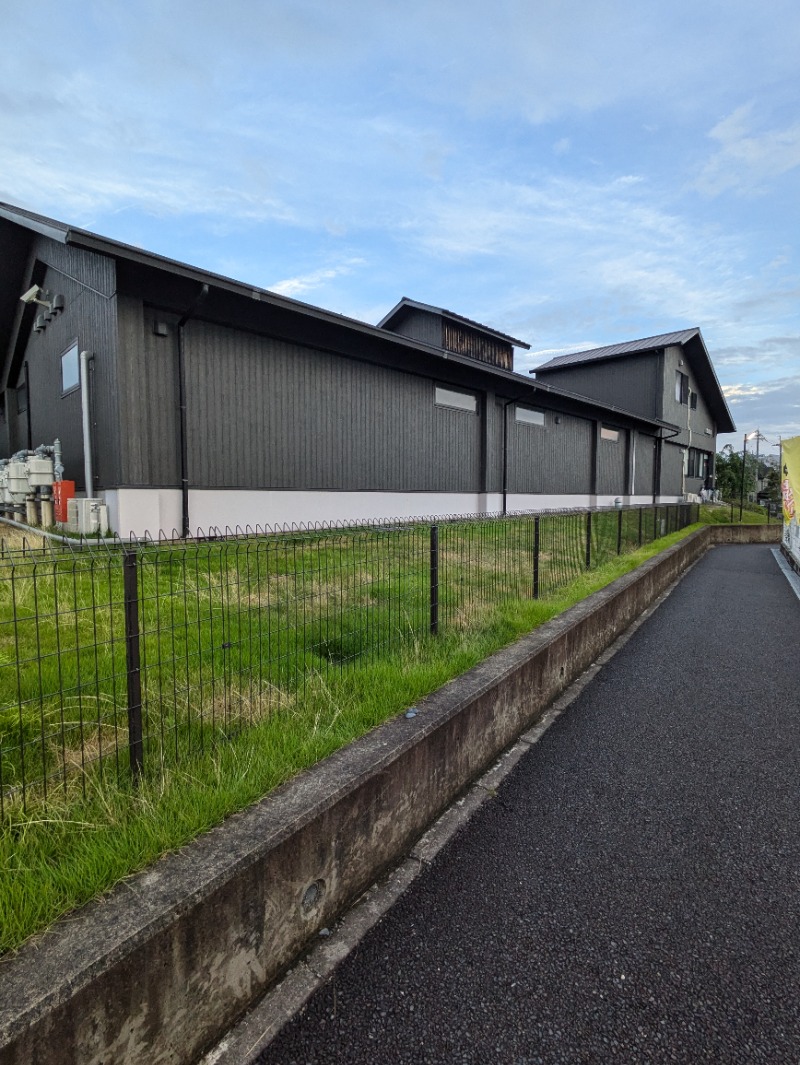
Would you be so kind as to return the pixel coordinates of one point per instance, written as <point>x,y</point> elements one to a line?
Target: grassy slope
<point>54,862</point>
<point>720,514</point>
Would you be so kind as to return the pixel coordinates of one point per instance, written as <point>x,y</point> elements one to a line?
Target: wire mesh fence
<point>121,660</point>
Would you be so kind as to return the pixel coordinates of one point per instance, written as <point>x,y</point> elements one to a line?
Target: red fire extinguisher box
<point>63,491</point>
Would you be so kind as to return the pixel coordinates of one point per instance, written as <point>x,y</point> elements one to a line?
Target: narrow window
<point>449,397</point>
<point>607,433</point>
<point>693,400</point>
<point>528,416</point>
<point>70,370</point>
<point>22,398</point>
<point>681,387</point>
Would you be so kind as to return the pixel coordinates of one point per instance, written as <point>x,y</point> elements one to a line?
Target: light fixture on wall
<point>53,305</point>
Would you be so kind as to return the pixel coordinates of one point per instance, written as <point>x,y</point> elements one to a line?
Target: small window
<point>698,463</point>
<point>607,433</point>
<point>22,398</point>
<point>528,416</point>
<point>681,387</point>
<point>448,397</point>
<point>693,400</point>
<point>70,370</point>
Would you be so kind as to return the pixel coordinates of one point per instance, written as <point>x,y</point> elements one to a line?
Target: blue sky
<point>574,173</point>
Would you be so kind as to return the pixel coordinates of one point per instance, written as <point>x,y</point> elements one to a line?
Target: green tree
<point>728,470</point>
<point>773,485</point>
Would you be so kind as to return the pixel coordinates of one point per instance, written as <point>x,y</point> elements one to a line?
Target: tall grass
<point>230,632</point>
<point>56,855</point>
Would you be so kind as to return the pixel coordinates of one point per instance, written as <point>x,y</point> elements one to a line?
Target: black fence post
<point>588,539</point>
<point>536,557</point>
<point>655,522</point>
<point>641,512</point>
<point>434,580</point>
<point>619,532</point>
<point>131,600</point>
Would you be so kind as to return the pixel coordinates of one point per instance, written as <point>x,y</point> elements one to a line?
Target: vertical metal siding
<point>90,320</point>
<point>553,458</point>
<point>645,457</point>
<point>671,470</point>
<point>631,383</point>
<point>420,325</point>
<point>265,413</point>
<point>148,379</point>
<point>611,465</point>
<point>494,443</point>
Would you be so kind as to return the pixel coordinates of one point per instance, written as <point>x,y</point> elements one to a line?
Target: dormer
<point>450,332</point>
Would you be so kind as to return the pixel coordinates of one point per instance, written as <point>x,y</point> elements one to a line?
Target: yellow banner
<point>790,478</point>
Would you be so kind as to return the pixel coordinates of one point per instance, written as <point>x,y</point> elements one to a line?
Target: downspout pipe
<point>182,419</point>
<point>506,405</point>
<point>86,421</point>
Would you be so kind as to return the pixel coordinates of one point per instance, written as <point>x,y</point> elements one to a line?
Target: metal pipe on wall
<point>182,414</point>
<point>88,474</point>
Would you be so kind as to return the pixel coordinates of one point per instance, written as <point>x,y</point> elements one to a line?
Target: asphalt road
<point>631,895</point>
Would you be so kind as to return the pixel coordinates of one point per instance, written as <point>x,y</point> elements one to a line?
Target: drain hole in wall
<point>312,896</point>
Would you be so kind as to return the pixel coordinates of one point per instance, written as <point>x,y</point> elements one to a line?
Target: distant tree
<point>772,485</point>
<point>728,470</point>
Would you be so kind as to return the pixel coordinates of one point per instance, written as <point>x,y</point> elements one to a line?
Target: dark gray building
<point>210,403</point>
<point>668,377</point>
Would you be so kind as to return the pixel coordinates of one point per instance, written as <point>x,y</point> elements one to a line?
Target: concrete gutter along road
<point>631,892</point>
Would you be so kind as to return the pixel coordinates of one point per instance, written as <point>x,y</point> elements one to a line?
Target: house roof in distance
<point>691,340</point>
<point>407,304</point>
<point>612,351</point>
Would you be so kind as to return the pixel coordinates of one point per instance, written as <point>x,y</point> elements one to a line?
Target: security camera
<point>32,295</point>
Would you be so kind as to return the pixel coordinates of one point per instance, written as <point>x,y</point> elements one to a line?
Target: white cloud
<point>299,286</point>
<point>527,166</point>
<point>737,392</point>
<point>746,160</point>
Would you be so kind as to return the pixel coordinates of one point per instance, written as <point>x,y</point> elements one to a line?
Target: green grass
<point>88,836</point>
<point>720,514</point>
<point>232,632</point>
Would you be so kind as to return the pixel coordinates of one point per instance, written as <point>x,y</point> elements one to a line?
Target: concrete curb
<point>159,969</point>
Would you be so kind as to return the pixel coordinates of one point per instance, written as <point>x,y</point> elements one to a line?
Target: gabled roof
<point>691,340</point>
<point>611,351</point>
<point>405,303</point>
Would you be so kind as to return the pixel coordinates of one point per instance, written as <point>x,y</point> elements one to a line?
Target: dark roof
<point>116,249</point>
<point>691,340</point>
<point>505,382</point>
<point>395,313</point>
<point>611,351</point>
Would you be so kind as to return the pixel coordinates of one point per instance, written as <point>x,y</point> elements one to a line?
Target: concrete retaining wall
<point>158,970</point>
<point>745,534</point>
